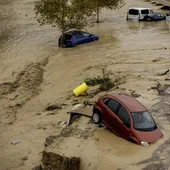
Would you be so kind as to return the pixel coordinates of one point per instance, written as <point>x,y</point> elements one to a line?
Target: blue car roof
<point>73,32</point>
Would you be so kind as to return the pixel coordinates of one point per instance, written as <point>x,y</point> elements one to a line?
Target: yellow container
<point>80,89</point>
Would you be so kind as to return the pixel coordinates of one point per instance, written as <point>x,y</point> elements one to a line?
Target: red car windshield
<point>143,121</point>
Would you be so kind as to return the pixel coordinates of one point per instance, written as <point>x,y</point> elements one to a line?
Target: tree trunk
<point>63,23</point>
<point>98,11</point>
<point>62,38</point>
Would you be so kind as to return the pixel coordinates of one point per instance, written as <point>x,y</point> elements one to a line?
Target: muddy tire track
<point>27,85</point>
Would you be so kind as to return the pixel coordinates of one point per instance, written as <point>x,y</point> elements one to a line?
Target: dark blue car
<point>73,38</point>
<point>155,16</point>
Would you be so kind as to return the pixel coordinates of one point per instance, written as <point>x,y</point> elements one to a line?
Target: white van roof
<point>138,8</point>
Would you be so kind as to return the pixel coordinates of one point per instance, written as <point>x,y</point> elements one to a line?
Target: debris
<point>77,106</point>
<point>102,126</point>
<point>167,79</point>
<point>55,161</point>
<point>162,89</point>
<point>50,114</point>
<point>80,90</point>
<point>159,4</point>
<point>105,82</point>
<point>25,158</point>
<point>49,140</point>
<point>156,60</point>
<point>87,103</point>
<point>80,111</point>
<point>38,114</point>
<point>134,94</point>
<point>165,8</point>
<point>14,142</point>
<point>39,167</point>
<point>95,81</point>
<point>162,74</point>
<point>53,107</point>
<point>62,124</point>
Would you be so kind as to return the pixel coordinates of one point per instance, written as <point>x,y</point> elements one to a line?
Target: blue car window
<point>86,34</point>
<point>79,35</point>
<point>68,37</point>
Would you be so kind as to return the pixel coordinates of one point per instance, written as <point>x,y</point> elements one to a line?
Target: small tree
<point>65,14</point>
<point>111,4</point>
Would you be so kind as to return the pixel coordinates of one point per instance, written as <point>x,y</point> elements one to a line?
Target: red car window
<point>124,115</point>
<point>112,105</point>
<point>143,121</point>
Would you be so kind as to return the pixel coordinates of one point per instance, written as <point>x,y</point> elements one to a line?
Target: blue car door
<point>87,37</point>
<point>80,38</point>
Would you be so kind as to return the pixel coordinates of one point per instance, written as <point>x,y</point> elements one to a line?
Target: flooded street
<point>36,73</point>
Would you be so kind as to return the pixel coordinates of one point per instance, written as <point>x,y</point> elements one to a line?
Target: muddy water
<point>135,51</point>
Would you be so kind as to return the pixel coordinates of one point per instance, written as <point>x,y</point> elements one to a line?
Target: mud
<point>16,94</point>
<point>53,107</point>
<point>159,158</point>
<point>52,161</point>
<point>36,74</point>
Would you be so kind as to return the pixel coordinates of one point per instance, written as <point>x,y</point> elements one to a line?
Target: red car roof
<point>132,104</point>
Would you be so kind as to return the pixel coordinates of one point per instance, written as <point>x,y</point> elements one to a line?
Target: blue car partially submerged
<point>73,38</point>
<point>154,16</point>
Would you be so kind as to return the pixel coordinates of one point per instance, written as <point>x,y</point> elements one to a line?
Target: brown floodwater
<point>136,52</point>
<point>22,40</point>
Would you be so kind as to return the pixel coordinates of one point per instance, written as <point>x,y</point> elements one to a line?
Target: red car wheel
<point>96,117</point>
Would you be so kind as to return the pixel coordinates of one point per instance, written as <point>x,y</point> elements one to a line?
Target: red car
<point>127,118</point>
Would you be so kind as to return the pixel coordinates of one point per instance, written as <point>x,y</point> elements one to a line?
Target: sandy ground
<point>35,73</point>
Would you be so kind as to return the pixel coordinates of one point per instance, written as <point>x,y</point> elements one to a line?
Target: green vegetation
<point>65,14</point>
<point>110,4</point>
<point>70,14</point>
<point>105,81</point>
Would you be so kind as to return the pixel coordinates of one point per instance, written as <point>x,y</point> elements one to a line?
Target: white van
<point>138,13</point>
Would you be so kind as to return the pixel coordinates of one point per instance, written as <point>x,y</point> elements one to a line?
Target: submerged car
<point>73,38</point>
<point>127,118</point>
<point>155,16</point>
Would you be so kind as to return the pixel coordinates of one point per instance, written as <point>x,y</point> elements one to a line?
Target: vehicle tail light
<point>69,40</point>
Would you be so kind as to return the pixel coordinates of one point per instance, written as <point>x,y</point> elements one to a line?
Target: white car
<point>138,14</point>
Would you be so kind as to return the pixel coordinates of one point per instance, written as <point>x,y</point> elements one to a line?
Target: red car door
<point>124,123</point>
<point>109,117</point>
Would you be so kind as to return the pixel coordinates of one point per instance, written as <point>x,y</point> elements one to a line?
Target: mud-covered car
<point>127,118</point>
<point>155,16</point>
<point>75,37</point>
